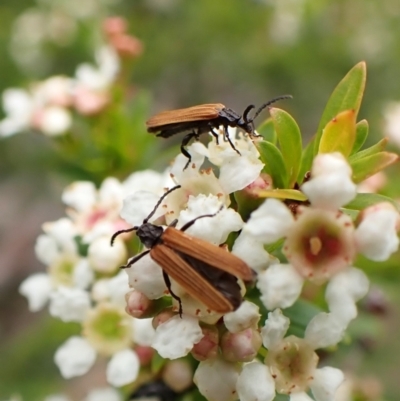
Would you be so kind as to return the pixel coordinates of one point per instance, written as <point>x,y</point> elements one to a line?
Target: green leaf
<point>267,130</point>
<point>339,134</point>
<point>362,201</point>
<point>374,149</point>
<point>289,138</point>
<point>347,95</point>
<point>367,166</point>
<point>274,165</point>
<point>283,194</point>
<point>306,161</point>
<point>362,128</point>
<point>157,363</point>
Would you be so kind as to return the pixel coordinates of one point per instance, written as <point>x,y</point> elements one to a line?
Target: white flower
<point>247,315</point>
<point>104,394</point>
<point>212,229</point>
<point>18,106</point>
<point>331,186</point>
<point>54,121</point>
<point>292,354</point>
<point>376,235</point>
<point>69,304</point>
<point>123,368</point>
<point>280,286</point>
<point>392,122</point>
<point>105,258</point>
<point>255,383</point>
<point>216,379</point>
<point>176,337</point>
<point>75,357</point>
<point>143,331</point>
<point>37,289</point>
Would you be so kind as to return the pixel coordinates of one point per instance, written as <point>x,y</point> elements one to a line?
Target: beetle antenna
<point>159,203</point>
<point>115,235</point>
<point>246,112</point>
<point>269,103</point>
<point>191,222</point>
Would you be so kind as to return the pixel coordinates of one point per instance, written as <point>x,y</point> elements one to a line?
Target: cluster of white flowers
<point>46,106</point>
<point>320,243</point>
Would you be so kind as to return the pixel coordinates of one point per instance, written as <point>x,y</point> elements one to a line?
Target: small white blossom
<point>176,337</point>
<point>123,368</point>
<point>255,383</point>
<point>104,394</point>
<point>247,315</point>
<point>37,289</point>
<point>105,258</point>
<point>326,381</point>
<point>216,379</point>
<point>69,304</point>
<point>280,286</point>
<point>143,331</point>
<point>275,328</point>
<point>75,357</point>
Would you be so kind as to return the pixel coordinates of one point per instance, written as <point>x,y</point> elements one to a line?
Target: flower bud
<point>145,354</point>
<point>162,317</point>
<point>207,348</point>
<point>137,304</point>
<point>178,375</point>
<point>242,346</point>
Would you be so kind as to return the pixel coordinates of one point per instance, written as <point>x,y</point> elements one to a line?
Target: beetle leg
<point>135,259</point>
<point>173,295</point>
<point>214,134</point>
<point>186,139</point>
<point>229,140</point>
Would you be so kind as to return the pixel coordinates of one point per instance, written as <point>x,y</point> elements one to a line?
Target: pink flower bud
<point>162,317</point>
<point>145,354</point>
<point>127,46</point>
<point>114,26</point>
<point>178,375</point>
<point>207,348</point>
<point>137,304</point>
<point>242,346</point>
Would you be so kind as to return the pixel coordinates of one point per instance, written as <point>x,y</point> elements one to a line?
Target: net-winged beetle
<point>206,272</point>
<point>204,118</point>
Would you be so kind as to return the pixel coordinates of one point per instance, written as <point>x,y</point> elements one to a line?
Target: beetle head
<point>149,234</point>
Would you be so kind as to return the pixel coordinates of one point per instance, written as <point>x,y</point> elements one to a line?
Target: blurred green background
<point>236,52</point>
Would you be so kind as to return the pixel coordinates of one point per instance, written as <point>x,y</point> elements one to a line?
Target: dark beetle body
<point>201,119</point>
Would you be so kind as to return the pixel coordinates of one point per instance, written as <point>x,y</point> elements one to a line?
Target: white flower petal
<point>123,368</point>
<point>247,315</point>
<point>300,397</point>
<point>330,186</point>
<point>212,229</point>
<point>104,394</point>
<point>246,247</point>
<point>238,171</point>
<point>143,331</point>
<point>216,379</point>
<point>343,290</point>
<point>255,383</point>
<point>376,235</point>
<point>80,195</point>
<point>46,249</point>
<point>118,286</point>
<point>176,337</point>
<point>178,170</point>
<point>270,221</point>
<point>83,274</point>
<point>280,286</point>
<point>324,330</point>
<point>55,121</point>
<point>326,382</point>
<point>36,288</point>
<point>146,276</point>
<point>69,304</point>
<point>147,180</point>
<point>104,257</point>
<point>138,205</point>
<point>275,328</point>
<point>63,231</point>
<point>75,357</point>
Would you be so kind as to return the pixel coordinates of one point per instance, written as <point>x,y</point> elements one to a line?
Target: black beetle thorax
<point>149,234</point>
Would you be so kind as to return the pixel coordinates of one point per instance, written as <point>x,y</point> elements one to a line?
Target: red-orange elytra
<point>204,118</point>
<point>207,272</point>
